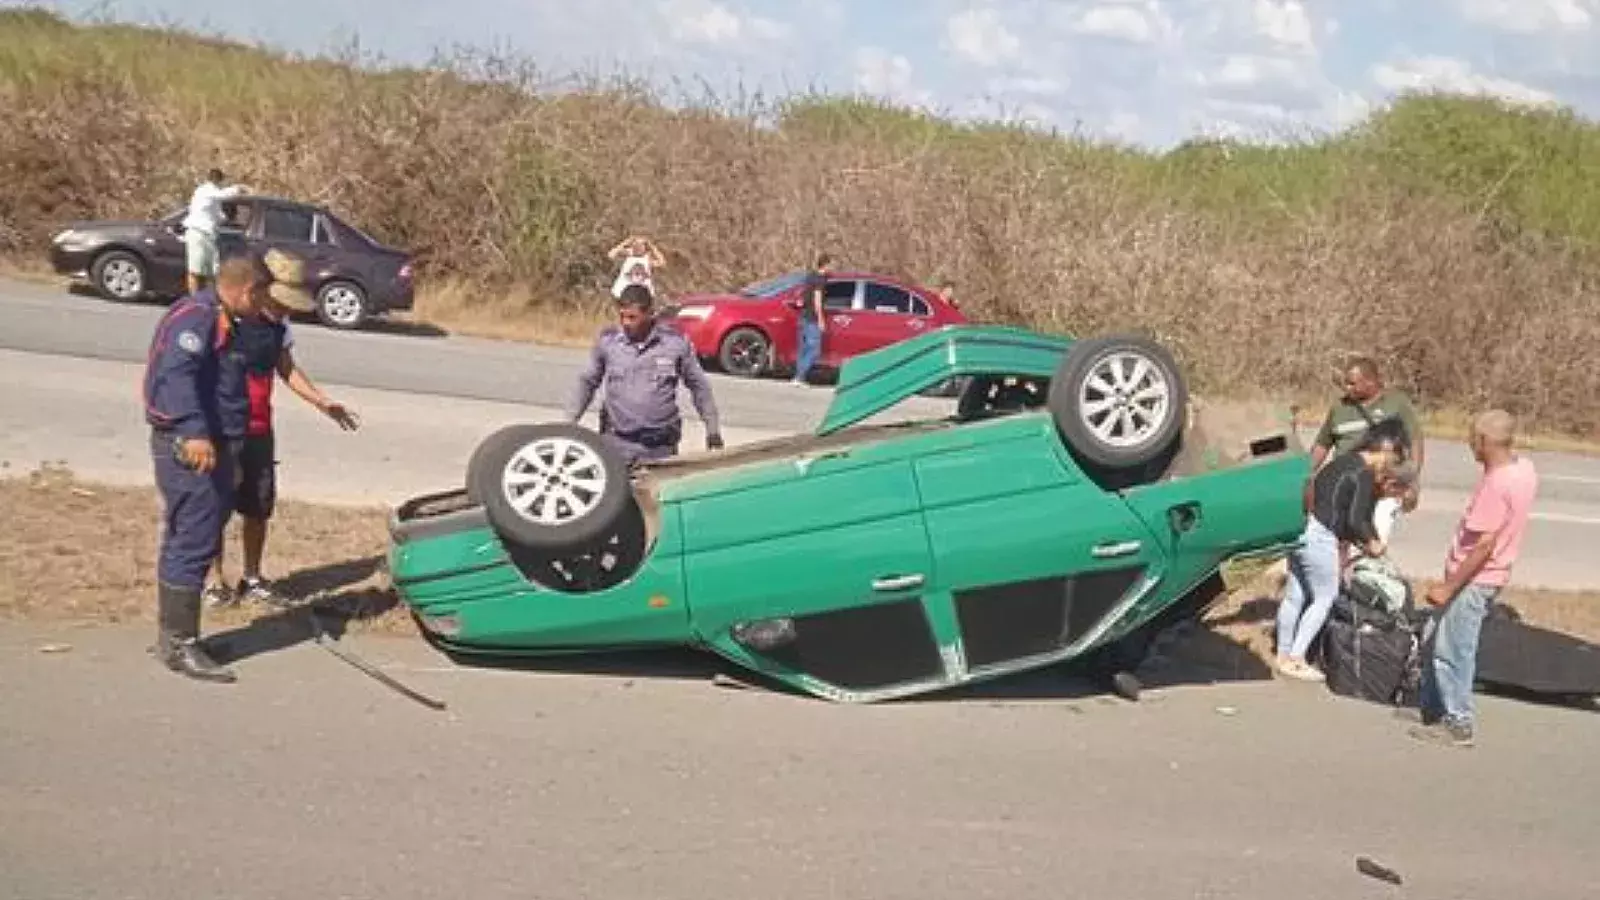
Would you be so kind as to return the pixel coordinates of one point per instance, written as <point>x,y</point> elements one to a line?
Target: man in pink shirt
<point>1478,567</point>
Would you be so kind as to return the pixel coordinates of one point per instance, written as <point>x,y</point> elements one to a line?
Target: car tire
<point>342,305</point>
<point>119,275</point>
<point>739,346</point>
<point>535,515</point>
<point>1120,402</point>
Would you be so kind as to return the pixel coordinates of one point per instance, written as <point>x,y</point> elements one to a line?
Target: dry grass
<point>87,553</point>
<point>1450,237</point>
<point>458,306</point>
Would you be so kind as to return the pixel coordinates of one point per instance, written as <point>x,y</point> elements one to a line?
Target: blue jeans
<point>810,348</point>
<point>1313,574</point>
<point>1450,655</point>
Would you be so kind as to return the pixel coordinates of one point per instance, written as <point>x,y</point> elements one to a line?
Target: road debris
<point>55,648</point>
<point>385,678</point>
<point>724,680</point>
<point>1367,867</point>
<point>1227,710</point>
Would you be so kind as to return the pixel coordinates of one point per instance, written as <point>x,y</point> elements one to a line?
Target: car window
<point>772,287</point>
<point>839,295</point>
<point>286,224</point>
<point>920,307</point>
<point>236,215</point>
<point>888,299</point>
<point>321,233</point>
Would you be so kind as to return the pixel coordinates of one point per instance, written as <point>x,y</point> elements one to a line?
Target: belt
<point>651,437</point>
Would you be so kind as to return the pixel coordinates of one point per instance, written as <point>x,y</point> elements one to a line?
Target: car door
<point>840,299</point>
<point>295,229</point>
<point>167,255</point>
<point>887,314</point>
<point>1033,560</point>
<point>828,553</point>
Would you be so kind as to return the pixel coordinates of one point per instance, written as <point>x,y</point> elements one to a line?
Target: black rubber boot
<point>177,640</point>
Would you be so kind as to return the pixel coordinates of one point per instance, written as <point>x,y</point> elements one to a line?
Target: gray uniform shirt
<point>641,382</point>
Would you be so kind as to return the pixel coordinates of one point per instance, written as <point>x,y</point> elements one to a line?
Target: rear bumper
<point>399,296</point>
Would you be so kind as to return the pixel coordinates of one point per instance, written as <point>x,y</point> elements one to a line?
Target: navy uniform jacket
<point>194,384</point>
<point>641,382</point>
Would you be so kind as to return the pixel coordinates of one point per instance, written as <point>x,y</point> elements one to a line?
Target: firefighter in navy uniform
<point>196,402</point>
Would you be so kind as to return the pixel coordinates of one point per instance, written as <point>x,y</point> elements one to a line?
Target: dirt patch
<point>84,552</point>
<point>1246,615</point>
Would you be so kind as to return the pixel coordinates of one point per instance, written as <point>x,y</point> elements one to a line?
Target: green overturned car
<point>1074,502</point>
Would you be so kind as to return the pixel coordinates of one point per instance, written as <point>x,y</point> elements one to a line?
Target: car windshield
<point>772,287</point>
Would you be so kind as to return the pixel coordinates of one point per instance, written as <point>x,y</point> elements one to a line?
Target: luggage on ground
<point>1370,654</point>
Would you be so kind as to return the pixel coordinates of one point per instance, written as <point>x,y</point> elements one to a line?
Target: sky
<point>1146,72</point>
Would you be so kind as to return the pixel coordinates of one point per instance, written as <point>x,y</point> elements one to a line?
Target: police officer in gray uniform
<point>641,363</point>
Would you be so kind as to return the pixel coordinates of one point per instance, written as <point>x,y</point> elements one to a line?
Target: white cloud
<point>1249,71</point>
<point>709,22</point>
<point>1135,21</point>
<point>1449,74</point>
<point>889,75</point>
<point>979,36</point>
<point>1284,23</point>
<point>1532,16</point>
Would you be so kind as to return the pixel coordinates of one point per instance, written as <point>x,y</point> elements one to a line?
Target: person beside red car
<point>813,325</point>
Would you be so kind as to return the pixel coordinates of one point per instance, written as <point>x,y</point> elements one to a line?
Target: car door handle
<point>1111,551</point>
<point>803,464</point>
<point>897,582</point>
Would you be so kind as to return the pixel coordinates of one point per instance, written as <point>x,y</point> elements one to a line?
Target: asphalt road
<point>308,779</point>
<point>428,400</point>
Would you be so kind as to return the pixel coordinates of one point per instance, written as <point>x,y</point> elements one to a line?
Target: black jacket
<point>1343,496</point>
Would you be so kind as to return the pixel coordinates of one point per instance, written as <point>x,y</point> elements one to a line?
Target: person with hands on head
<point>196,400</point>
<point>1343,495</point>
<point>265,349</point>
<point>640,258</point>
<point>641,363</point>
<point>1478,567</point>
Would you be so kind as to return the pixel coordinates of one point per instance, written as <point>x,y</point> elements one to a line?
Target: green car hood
<point>877,381</point>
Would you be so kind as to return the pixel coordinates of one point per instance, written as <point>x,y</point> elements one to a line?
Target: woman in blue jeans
<point>1343,496</point>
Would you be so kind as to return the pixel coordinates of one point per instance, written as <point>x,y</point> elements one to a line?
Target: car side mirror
<point>1184,517</point>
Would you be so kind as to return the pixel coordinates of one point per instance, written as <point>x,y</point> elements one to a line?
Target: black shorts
<point>255,478</point>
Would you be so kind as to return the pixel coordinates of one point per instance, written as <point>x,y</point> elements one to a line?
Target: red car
<point>753,332</point>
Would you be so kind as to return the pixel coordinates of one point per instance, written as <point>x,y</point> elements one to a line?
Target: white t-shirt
<point>635,270</point>
<point>205,206</point>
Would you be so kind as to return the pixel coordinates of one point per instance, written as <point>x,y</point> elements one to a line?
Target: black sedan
<point>354,276</point>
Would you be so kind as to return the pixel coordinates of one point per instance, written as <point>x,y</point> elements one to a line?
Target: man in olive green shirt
<point>1367,401</point>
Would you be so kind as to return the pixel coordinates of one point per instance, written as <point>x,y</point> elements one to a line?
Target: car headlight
<point>694,312</point>
<point>67,237</point>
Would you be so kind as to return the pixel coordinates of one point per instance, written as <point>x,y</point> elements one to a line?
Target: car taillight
<point>405,272</point>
